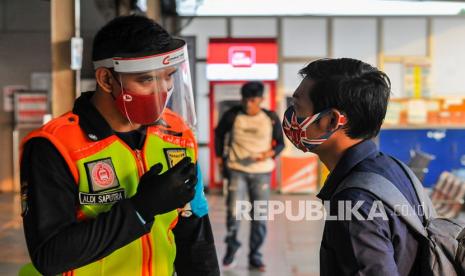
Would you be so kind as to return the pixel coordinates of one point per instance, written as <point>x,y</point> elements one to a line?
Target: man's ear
<point>336,120</point>
<point>104,79</point>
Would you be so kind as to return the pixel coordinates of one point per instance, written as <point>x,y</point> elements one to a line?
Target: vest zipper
<point>146,240</point>
<point>140,162</point>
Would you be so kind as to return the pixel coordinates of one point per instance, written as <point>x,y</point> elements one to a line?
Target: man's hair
<point>129,34</point>
<point>252,89</point>
<point>358,90</point>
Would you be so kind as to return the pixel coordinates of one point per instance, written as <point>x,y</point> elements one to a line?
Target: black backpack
<point>442,241</point>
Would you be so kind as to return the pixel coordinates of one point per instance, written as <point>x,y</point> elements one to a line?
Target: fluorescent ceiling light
<point>317,8</point>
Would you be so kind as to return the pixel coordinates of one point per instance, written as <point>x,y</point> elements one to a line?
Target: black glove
<point>160,193</point>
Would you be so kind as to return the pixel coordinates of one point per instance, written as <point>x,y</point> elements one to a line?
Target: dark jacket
<point>367,247</point>
<point>226,123</point>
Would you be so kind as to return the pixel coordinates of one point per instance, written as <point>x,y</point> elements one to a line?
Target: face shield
<point>153,85</point>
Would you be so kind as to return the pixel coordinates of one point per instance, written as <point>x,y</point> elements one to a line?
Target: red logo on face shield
<point>166,60</point>
<point>241,56</point>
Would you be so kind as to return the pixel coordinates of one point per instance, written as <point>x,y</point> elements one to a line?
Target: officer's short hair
<point>130,34</point>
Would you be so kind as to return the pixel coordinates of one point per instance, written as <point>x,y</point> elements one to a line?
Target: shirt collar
<point>353,156</point>
<point>90,119</point>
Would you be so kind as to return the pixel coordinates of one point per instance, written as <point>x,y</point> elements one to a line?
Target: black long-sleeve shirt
<point>58,242</point>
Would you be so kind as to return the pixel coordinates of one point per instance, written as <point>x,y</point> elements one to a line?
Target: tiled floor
<point>13,251</point>
<point>291,248</point>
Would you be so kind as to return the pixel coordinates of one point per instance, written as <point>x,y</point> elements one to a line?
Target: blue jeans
<point>257,185</point>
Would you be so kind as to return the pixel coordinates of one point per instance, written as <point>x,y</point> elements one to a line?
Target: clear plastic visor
<point>149,96</point>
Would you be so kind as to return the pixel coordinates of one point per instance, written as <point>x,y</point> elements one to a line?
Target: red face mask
<point>141,109</point>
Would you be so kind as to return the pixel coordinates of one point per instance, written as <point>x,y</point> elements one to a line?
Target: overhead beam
<point>63,81</point>
<point>153,10</point>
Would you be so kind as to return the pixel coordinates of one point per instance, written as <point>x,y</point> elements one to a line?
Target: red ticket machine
<point>230,63</point>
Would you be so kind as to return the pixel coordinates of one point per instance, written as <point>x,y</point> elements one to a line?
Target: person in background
<point>338,109</point>
<point>254,139</point>
<point>104,186</point>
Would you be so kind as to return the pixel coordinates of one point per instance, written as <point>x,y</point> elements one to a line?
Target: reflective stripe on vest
<point>108,169</point>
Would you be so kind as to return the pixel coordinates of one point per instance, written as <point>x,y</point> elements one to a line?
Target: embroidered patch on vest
<point>173,156</point>
<point>102,198</point>
<point>101,175</point>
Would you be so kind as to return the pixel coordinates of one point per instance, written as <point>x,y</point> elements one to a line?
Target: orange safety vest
<point>107,171</point>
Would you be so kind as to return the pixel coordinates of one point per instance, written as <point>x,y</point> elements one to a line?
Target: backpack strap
<point>424,199</point>
<point>387,193</point>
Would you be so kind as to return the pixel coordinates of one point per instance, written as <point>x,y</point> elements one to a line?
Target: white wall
<point>355,38</point>
<point>404,36</point>
<point>254,27</point>
<point>302,37</point>
<point>203,114</point>
<point>448,68</point>
<point>290,76</point>
<point>204,29</point>
<point>395,71</point>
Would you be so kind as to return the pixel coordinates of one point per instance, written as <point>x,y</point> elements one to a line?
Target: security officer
<point>106,187</point>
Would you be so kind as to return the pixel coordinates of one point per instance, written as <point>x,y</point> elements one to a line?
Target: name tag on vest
<point>102,198</point>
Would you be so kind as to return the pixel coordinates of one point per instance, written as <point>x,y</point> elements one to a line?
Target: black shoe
<point>257,265</point>
<point>229,259</point>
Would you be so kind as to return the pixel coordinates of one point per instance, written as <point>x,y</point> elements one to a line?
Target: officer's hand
<point>160,193</point>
